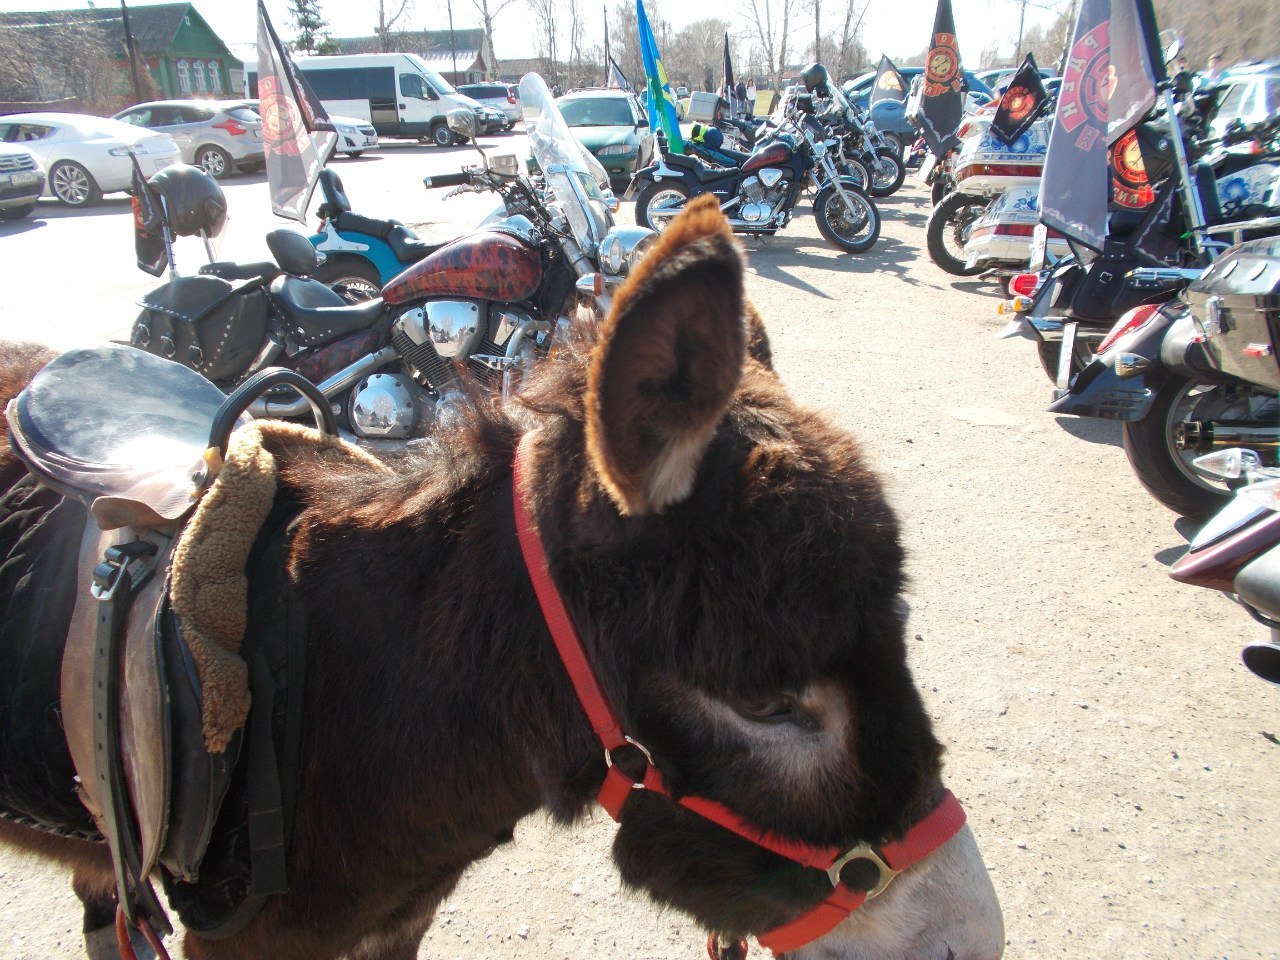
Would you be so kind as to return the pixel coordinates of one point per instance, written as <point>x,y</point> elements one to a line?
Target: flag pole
<point>605,10</point>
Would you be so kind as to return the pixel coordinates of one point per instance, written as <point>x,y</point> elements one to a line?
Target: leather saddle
<point>404,243</point>
<point>138,439</point>
<point>707,175</point>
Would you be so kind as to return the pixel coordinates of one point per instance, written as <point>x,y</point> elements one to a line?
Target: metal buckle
<point>648,758</point>
<point>116,560</point>
<point>863,851</point>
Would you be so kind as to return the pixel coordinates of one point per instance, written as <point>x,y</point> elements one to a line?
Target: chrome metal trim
<point>1066,352</point>
<point>1130,364</point>
<point>336,384</point>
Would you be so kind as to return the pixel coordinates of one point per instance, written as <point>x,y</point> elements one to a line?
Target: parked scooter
<point>1238,549</point>
<point>489,303</point>
<point>759,196</point>
<point>1194,375</point>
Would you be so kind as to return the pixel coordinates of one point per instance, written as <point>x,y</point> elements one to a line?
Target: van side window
<point>411,85</point>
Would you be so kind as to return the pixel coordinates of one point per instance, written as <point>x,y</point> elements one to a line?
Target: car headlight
<point>617,150</point>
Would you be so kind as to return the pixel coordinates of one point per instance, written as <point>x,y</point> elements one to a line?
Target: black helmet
<point>193,200</point>
<point>815,79</point>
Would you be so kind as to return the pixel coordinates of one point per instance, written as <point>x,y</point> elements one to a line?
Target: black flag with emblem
<point>297,136</point>
<point>889,85</point>
<point>148,225</point>
<point>942,101</point>
<point>1021,103</point>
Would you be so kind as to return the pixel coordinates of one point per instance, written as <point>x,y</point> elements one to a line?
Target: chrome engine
<point>385,405</point>
<point>761,200</point>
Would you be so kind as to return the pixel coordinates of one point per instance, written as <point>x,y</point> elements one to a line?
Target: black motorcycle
<point>1193,375</point>
<point>759,196</point>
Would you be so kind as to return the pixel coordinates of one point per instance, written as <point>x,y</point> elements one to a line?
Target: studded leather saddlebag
<point>213,326</point>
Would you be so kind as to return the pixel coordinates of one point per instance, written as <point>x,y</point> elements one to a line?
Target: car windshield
<point>596,112</point>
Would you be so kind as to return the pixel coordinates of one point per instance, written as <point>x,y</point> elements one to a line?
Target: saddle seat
<point>404,243</point>
<point>704,172</point>
<point>120,429</point>
<point>315,315</point>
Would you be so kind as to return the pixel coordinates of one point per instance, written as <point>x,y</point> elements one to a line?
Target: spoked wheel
<point>73,185</point>
<point>658,203</point>
<point>1158,458</point>
<point>352,278</point>
<point>887,173</point>
<point>852,230</point>
<point>948,231</point>
<point>214,161</point>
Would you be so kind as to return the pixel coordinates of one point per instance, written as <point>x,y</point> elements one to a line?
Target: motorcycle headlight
<point>623,248</point>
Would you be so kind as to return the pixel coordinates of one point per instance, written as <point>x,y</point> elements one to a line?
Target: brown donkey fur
<point>732,567</point>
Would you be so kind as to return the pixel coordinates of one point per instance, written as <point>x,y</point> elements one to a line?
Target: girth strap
<point>124,567</point>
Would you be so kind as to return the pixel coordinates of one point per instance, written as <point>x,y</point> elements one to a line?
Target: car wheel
<point>73,185</point>
<point>354,153</point>
<point>442,136</point>
<point>17,213</point>
<point>214,160</point>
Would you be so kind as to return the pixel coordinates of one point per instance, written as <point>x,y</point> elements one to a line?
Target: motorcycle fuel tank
<point>772,155</point>
<point>486,265</point>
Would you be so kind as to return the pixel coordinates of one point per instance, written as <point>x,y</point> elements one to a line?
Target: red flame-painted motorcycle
<point>485,305</point>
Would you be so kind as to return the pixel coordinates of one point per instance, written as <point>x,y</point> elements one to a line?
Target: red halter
<point>889,859</point>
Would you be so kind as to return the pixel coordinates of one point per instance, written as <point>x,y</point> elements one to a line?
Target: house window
<point>215,76</point>
<point>184,76</point>
<point>198,68</point>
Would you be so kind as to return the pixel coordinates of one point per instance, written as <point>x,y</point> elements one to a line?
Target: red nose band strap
<point>891,858</point>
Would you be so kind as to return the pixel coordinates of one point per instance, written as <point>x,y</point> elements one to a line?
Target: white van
<point>396,92</point>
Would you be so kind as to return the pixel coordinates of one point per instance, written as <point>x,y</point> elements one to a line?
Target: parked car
<point>1249,93</point>
<point>218,135</point>
<point>612,125</point>
<point>890,115</point>
<point>500,96</point>
<point>355,136</point>
<point>86,156</point>
<point>21,182</point>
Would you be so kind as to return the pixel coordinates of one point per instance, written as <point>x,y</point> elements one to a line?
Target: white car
<point>355,136</point>
<point>86,156</point>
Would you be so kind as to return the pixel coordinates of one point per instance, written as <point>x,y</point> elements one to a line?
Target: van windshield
<point>441,85</point>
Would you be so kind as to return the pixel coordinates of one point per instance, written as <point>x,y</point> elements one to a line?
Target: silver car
<point>500,96</point>
<point>218,135</point>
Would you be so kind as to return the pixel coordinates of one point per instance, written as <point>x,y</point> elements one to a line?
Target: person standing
<point>751,97</point>
<point>1213,73</point>
<point>740,95</point>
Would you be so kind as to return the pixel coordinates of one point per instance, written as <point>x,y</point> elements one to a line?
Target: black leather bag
<point>213,326</point>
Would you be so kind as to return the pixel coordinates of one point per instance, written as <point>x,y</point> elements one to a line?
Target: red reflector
<point>1001,170</point>
<point>1025,284</point>
<point>1257,350</point>
<point>1014,229</point>
<point>233,127</point>
<point>511,98</point>
<point>1128,323</point>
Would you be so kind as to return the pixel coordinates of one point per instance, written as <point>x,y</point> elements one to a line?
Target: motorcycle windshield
<point>573,175</point>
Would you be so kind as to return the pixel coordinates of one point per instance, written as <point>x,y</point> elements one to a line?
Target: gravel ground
<point>1111,751</point>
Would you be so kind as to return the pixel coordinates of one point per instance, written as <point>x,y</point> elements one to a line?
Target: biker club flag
<point>1107,86</point>
<point>148,225</point>
<point>1021,103</point>
<point>662,108</point>
<point>889,85</point>
<point>727,85</point>
<point>297,136</point>
<point>942,101</point>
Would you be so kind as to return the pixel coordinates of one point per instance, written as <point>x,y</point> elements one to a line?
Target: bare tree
<point>851,57</point>
<point>75,56</point>
<point>390,12</point>
<point>766,16</point>
<point>573,9</point>
<point>546,12</point>
<point>489,10</point>
<point>1237,29</point>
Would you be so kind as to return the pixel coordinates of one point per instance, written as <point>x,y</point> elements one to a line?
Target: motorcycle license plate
<point>631,188</point>
<point>1039,237</point>
<point>926,168</point>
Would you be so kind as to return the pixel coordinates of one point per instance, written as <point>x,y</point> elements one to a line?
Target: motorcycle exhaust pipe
<point>1263,659</point>
<point>344,379</point>
<point>1206,435</point>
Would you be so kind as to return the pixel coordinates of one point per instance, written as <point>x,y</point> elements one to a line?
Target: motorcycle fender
<point>1099,391</point>
<point>1182,351</point>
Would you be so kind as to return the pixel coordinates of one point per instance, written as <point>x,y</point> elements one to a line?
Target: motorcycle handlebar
<point>446,180</point>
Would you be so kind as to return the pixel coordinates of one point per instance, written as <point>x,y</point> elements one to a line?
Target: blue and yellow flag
<point>661,101</point>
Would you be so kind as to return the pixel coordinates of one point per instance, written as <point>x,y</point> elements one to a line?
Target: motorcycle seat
<point>407,247</point>
<point>314,314</point>
<point>265,270</point>
<point>701,170</point>
<point>118,422</point>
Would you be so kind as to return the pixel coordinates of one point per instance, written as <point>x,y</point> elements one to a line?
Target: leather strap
<point>113,587</point>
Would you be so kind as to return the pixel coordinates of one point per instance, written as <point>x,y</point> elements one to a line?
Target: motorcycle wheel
<point>852,232</point>
<point>353,278</point>
<point>658,203</point>
<point>938,191</point>
<point>1165,469</point>
<point>948,231</point>
<point>887,173</point>
<point>895,143</point>
<point>1050,350</point>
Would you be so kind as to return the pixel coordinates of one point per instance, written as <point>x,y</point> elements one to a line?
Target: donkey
<point>730,570</point>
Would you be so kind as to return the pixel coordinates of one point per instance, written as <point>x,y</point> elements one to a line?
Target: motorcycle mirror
<point>462,122</point>
<point>1172,44</point>
<point>505,165</point>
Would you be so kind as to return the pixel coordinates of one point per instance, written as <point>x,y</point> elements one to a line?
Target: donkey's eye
<point>778,709</point>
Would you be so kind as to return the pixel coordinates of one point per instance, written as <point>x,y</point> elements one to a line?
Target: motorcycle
<point>489,303</point>
<point>759,196</point>
<point>862,143</point>
<point>1193,375</point>
<point>1238,550</point>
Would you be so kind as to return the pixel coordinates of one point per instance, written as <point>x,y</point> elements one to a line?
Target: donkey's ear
<point>668,362</point>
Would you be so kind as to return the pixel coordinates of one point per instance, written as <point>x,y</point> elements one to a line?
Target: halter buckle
<point>866,852</point>
<point>648,758</point>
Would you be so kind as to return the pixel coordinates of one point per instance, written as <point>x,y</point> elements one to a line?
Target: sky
<point>899,28</point>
